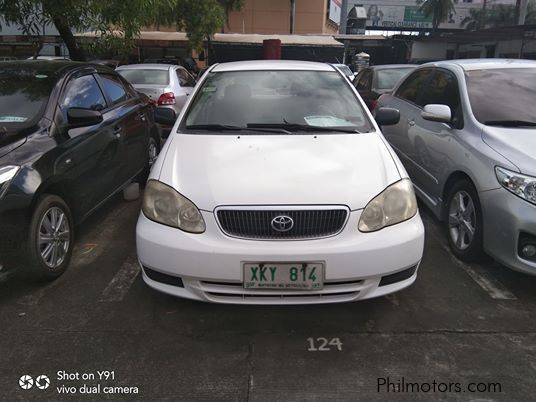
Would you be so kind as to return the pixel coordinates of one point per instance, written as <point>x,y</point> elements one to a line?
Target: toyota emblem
<point>282,223</point>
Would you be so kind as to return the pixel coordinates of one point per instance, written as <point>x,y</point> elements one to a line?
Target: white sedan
<point>276,186</point>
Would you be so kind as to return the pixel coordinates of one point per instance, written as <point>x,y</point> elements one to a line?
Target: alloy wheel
<point>54,237</point>
<point>462,220</point>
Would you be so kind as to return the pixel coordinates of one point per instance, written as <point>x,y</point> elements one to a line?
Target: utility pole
<point>521,11</point>
<point>342,25</point>
<point>344,17</point>
<point>292,16</point>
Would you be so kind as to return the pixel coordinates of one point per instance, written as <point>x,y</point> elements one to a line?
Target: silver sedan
<point>167,85</point>
<point>468,141</point>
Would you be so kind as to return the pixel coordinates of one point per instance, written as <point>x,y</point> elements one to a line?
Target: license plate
<point>284,276</point>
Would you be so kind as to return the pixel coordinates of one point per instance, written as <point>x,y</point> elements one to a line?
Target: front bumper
<point>209,265</point>
<point>505,217</point>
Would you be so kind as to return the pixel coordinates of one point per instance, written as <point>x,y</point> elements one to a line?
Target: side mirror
<point>80,117</point>
<point>439,113</point>
<point>386,116</point>
<point>164,116</point>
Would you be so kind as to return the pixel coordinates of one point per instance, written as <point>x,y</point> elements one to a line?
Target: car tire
<point>463,221</point>
<point>50,239</point>
<point>153,149</point>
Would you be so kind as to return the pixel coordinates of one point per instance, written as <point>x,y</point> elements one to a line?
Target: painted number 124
<point>323,344</point>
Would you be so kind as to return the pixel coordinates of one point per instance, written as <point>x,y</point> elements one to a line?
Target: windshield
<point>388,78</point>
<point>294,100</point>
<point>503,97</point>
<point>23,95</point>
<point>145,76</point>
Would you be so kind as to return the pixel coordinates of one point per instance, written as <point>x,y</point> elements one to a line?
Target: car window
<point>365,82</point>
<point>412,87</point>
<point>113,88</point>
<point>443,90</point>
<point>388,78</point>
<point>242,98</point>
<point>503,96</point>
<point>144,76</point>
<point>185,79</point>
<point>83,92</point>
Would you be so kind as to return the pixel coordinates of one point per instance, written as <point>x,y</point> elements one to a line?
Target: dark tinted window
<point>503,95</point>
<point>443,90</point>
<point>83,92</point>
<point>185,79</point>
<point>113,87</point>
<point>388,78</point>
<point>23,95</point>
<point>413,85</point>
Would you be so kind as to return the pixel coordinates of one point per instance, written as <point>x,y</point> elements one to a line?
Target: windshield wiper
<point>225,127</point>
<point>303,127</point>
<point>510,123</point>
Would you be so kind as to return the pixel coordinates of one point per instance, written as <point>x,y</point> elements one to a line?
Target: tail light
<point>373,104</point>
<point>167,98</point>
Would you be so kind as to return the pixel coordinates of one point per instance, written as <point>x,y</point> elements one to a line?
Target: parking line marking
<point>121,282</point>
<point>494,288</point>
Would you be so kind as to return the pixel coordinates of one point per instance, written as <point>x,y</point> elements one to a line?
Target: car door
<point>407,99</point>
<point>88,158</point>
<point>187,84</point>
<point>132,128</point>
<point>433,142</point>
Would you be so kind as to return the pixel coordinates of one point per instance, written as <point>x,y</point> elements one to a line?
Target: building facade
<point>286,17</point>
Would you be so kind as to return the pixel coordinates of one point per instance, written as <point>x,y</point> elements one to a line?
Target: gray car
<point>467,137</point>
<point>167,85</point>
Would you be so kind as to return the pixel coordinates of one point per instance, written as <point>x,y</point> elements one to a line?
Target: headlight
<point>519,184</point>
<point>397,203</point>
<point>6,174</point>
<point>163,204</point>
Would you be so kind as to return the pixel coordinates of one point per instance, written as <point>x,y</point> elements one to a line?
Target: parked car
<point>466,136</point>
<point>374,81</point>
<point>343,68</point>
<point>55,58</point>
<point>167,85</point>
<point>277,187</point>
<point>71,136</point>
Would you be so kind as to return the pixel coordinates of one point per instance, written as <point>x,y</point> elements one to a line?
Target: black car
<point>373,81</point>
<point>71,135</point>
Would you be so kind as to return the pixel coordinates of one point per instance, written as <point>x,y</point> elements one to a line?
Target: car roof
<point>53,68</point>
<point>147,66</point>
<point>482,64</point>
<point>259,65</point>
<point>392,66</point>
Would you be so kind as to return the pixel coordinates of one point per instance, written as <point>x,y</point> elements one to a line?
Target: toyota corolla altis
<point>277,187</point>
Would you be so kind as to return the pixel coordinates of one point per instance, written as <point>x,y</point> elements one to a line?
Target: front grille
<point>257,223</point>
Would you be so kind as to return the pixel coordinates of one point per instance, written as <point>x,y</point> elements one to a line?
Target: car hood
<point>518,145</point>
<point>11,140</point>
<point>214,170</point>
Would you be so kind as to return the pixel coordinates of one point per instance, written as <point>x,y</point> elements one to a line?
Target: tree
<point>200,19</point>
<point>112,19</point>
<point>438,9</point>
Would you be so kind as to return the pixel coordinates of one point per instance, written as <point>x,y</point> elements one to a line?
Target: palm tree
<point>438,9</point>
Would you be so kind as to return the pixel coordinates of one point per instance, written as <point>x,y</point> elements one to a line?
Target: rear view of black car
<point>71,136</point>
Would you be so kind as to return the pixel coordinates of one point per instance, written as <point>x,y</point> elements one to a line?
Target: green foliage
<point>112,19</point>
<point>200,19</point>
<point>438,9</point>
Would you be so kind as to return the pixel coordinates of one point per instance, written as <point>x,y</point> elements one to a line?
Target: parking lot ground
<point>461,324</point>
